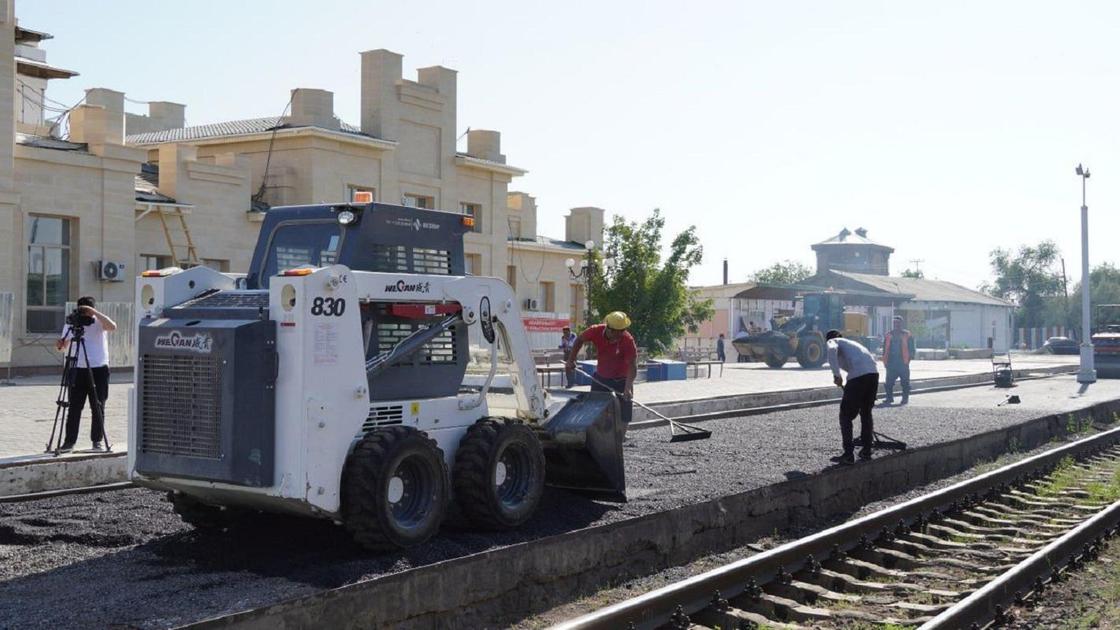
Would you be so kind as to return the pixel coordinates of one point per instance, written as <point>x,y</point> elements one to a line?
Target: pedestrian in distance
<point>617,356</point>
<point>859,392</point>
<point>82,386</point>
<point>721,350</point>
<point>898,350</point>
<point>567,340</point>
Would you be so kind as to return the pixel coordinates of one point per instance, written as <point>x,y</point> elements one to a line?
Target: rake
<point>679,431</point>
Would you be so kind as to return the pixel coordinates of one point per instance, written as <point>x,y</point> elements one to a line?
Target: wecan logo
<point>403,287</point>
<point>200,342</point>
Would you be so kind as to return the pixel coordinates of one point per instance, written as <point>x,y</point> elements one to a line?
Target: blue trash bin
<point>673,370</point>
<point>586,366</point>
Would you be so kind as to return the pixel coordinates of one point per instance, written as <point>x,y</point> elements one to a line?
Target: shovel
<point>679,431</point>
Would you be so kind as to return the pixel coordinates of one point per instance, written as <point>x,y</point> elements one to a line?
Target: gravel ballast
<point>124,557</point>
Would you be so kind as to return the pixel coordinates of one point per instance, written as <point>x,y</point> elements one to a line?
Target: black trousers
<point>859,398</point>
<point>82,387</point>
<point>900,371</point>
<point>615,385</point>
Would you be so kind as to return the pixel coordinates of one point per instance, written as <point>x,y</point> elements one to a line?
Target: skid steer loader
<point>328,381</point>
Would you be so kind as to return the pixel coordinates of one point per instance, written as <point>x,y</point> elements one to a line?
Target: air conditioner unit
<point>109,271</point>
<point>531,304</point>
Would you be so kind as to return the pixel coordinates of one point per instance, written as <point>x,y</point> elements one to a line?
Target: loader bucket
<point>583,446</point>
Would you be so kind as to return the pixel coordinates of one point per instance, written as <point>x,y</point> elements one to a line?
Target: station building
<point>941,314</point>
<point>91,195</point>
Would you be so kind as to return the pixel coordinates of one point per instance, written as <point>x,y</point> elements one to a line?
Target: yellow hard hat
<point>617,320</point>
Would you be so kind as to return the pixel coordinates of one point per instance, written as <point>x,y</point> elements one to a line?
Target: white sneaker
<point>97,448</point>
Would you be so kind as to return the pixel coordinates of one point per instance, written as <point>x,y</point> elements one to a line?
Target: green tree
<point>1028,279</point>
<point>651,289</point>
<point>785,272</point>
<point>916,273</point>
<point>1104,288</point>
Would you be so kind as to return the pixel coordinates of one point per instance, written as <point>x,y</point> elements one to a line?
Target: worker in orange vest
<point>898,349</point>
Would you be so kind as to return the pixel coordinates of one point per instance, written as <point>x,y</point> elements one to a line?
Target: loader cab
<point>384,238</point>
<point>364,237</point>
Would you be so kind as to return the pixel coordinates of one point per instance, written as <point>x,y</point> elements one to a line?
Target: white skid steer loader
<point>328,382</point>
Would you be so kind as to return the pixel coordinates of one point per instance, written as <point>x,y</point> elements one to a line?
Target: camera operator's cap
<point>617,320</point>
<point>832,334</point>
<point>897,318</point>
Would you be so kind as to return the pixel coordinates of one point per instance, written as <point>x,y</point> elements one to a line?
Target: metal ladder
<point>191,254</point>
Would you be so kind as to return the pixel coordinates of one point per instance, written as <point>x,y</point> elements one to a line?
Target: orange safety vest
<point>905,346</point>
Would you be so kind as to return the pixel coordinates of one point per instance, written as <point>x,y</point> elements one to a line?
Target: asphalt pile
<point>124,558</point>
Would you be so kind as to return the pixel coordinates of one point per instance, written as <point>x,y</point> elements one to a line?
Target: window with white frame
<point>48,273</point>
<point>418,201</point>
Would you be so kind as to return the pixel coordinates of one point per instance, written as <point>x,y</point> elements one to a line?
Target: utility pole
<point>1087,373</point>
<point>1065,290</point>
<point>918,265</point>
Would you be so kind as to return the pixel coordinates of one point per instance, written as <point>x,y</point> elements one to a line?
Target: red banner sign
<point>544,324</point>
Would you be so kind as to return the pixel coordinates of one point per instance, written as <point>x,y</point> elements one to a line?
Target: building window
<point>351,189</point>
<point>418,201</point>
<point>511,276</point>
<point>216,265</point>
<point>576,305</point>
<point>473,210</point>
<point>515,227</point>
<point>473,264</point>
<point>48,272</point>
<point>548,297</point>
<point>151,262</point>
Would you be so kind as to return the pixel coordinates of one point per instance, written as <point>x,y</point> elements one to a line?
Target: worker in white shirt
<point>859,392</point>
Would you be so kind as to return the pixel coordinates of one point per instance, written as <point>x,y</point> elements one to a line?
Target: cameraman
<point>97,350</point>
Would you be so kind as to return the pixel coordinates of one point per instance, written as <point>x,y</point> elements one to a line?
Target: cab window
<point>301,244</point>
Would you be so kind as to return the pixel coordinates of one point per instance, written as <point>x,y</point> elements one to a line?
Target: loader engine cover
<point>205,400</point>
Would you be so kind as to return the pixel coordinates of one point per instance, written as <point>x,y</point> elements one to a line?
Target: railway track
<point>955,558</point>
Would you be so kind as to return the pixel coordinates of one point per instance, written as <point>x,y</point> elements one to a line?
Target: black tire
<point>394,489</point>
<point>775,359</point>
<point>203,516</point>
<point>499,474</point>
<point>810,352</point>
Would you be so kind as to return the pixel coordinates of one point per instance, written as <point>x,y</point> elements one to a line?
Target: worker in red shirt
<point>617,356</point>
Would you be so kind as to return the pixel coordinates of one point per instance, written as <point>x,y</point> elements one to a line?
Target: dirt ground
<point>1086,598</point>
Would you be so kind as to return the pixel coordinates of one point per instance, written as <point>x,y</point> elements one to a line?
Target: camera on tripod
<point>77,319</point>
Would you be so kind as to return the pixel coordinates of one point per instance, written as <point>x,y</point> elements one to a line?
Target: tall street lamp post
<point>1087,373</point>
<point>586,270</point>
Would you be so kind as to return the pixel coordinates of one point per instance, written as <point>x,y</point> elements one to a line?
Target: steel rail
<point>47,494</point>
<point>988,602</point>
<point>654,609</point>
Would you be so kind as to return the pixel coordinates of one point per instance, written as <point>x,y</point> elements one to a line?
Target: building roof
<point>224,129</point>
<point>47,142</point>
<point>41,69</point>
<point>24,34</point>
<point>847,237</point>
<point>549,242</point>
<point>922,289</point>
<point>147,185</point>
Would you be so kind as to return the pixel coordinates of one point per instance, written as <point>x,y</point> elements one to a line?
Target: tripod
<point>71,371</point>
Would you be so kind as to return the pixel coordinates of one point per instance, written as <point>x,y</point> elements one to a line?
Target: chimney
<point>312,108</point>
<point>172,159</point>
<point>112,102</point>
<point>167,115</point>
<point>381,69</point>
<point>725,271</point>
<point>861,232</point>
<point>485,145</point>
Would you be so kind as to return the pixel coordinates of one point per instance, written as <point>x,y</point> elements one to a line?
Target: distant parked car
<point>1060,345</point>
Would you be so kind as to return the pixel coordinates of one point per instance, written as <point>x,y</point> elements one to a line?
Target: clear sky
<point>944,128</point>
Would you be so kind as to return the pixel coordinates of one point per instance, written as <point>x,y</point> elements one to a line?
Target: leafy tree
<point>785,272</point>
<point>1104,288</point>
<point>1027,278</point>
<point>651,289</point>
<point>916,273</point>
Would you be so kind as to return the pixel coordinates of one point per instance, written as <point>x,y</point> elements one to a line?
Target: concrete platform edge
<point>499,586</point>
<point>23,477</point>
